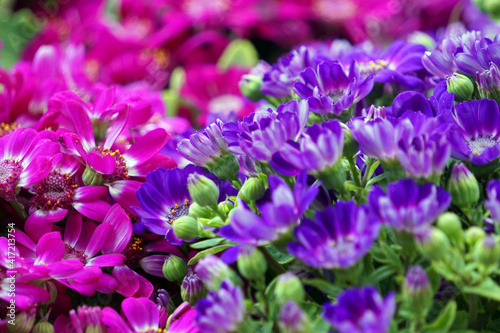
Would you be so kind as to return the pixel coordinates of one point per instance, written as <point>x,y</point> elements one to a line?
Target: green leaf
<point>324,286</point>
<point>488,288</point>
<point>212,250</point>
<point>206,243</point>
<point>373,168</point>
<point>375,179</point>
<point>445,319</point>
<point>393,257</point>
<point>239,52</point>
<point>282,258</point>
<point>381,273</point>
<point>434,279</point>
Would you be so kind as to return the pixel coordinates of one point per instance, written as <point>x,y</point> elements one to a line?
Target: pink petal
<point>50,248</point>
<point>112,319</point>
<point>121,232</point>
<point>89,193</point>
<point>107,284</point>
<point>73,229</point>
<point>37,170</point>
<point>153,264</point>
<point>117,127</point>
<point>105,164</point>
<point>95,210</point>
<point>104,100</point>
<point>123,192</point>
<point>146,146</point>
<point>99,237</point>
<point>163,245</point>
<point>142,313</point>
<point>82,123</point>
<point>145,287</point>
<point>128,283</point>
<point>157,161</point>
<point>107,260</point>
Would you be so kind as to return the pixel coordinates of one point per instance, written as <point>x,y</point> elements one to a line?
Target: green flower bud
<point>351,146</point>
<point>174,268</point>
<point>293,319</point>
<point>251,263</point>
<point>416,291</point>
<point>186,228</point>
<point>226,206</point>
<point>474,234</point>
<point>450,224</point>
<point>487,250</point>
<point>43,327</point>
<point>434,244</point>
<point>463,186</point>
<point>198,211</point>
<point>253,189</point>
<point>422,38</point>
<point>461,86</point>
<point>23,322</point>
<point>333,178</point>
<point>288,287</point>
<point>213,271</point>
<point>224,167</point>
<point>250,87</point>
<point>490,6</point>
<point>192,289</point>
<point>92,177</point>
<point>203,190</point>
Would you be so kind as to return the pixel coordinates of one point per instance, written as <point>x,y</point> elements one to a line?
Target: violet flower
<point>493,201</point>
<point>407,206</point>
<point>338,238</point>
<point>361,310</point>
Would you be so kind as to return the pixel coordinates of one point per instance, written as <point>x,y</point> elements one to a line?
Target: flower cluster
<point>156,176</point>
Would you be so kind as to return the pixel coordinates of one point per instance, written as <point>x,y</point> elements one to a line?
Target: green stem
<point>276,266</point>
<point>472,311</point>
<point>354,171</point>
<point>19,209</point>
<point>366,176</point>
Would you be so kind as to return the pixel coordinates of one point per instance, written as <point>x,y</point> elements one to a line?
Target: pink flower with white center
<point>60,191</point>
<point>74,260</point>
<point>114,168</point>
<point>25,159</point>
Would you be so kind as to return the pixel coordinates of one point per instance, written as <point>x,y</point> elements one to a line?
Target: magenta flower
<point>25,159</point>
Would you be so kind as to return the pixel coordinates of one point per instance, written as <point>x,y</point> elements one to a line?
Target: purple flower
<point>329,90</point>
<point>293,319</point>
<point>475,134</point>
<point>221,311</point>
<point>284,211</point>
<point>361,311</point>
<point>488,82</point>
<point>376,138</point>
<point>407,206</point>
<point>338,238</point>
<point>493,202</point>
<point>319,148</point>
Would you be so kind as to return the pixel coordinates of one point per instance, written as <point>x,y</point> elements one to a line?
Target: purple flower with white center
<point>203,147</point>
<point>26,157</point>
<point>493,202</point>
<point>329,90</point>
<point>396,65</point>
<point>361,310</point>
<point>221,311</point>
<point>338,238</point>
<point>475,134</point>
<point>284,211</point>
<point>318,149</point>
<point>423,148</point>
<point>262,134</point>
<point>408,207</point>
<point>376,138</point>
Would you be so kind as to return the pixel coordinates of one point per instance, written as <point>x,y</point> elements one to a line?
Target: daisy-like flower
<point>338,238</point>
<point>26,157</point>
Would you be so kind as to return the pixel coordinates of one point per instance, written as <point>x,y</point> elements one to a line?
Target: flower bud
<point>198,211</point>
<point>288,287</point>
<point>474,234</point>
<point>192,289</point>
<point>434,244</point>
<point>252,190</point>
<point>164,300</point>
<point>463,186</point>
<point>450,224</point>
<point>43,327</point>
<point>251,263</point>
<point>213,271</point>
<point>488,83</point>
<point>174,268</point>
<point>416,290</point>
<point>226,206</point>
<point>186,228</point>
<point>92,177</point>
<point>203,190</point>
<point>250,87</point>
<point>224,167</point>
<point>487,250</point>
<point>461,86</point>
<point>23,322</point>
<point>293,319</point>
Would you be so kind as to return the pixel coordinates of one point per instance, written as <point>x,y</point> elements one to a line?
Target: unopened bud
<point>288,287</point>
<point>461,86</point>
<point>174,268</point>
<point>203,190</point>
<point>251,263</point>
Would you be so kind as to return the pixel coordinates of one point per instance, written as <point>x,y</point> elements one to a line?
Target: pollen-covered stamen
<point>479,144</point>
<point>54,191</point>
<point>178,210</point>
<point>8,128</point>
<point>372,67</point>
<point>10,171</point>
<point>134,252</point>
<point>72,253</point>
<point>121,170</point>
